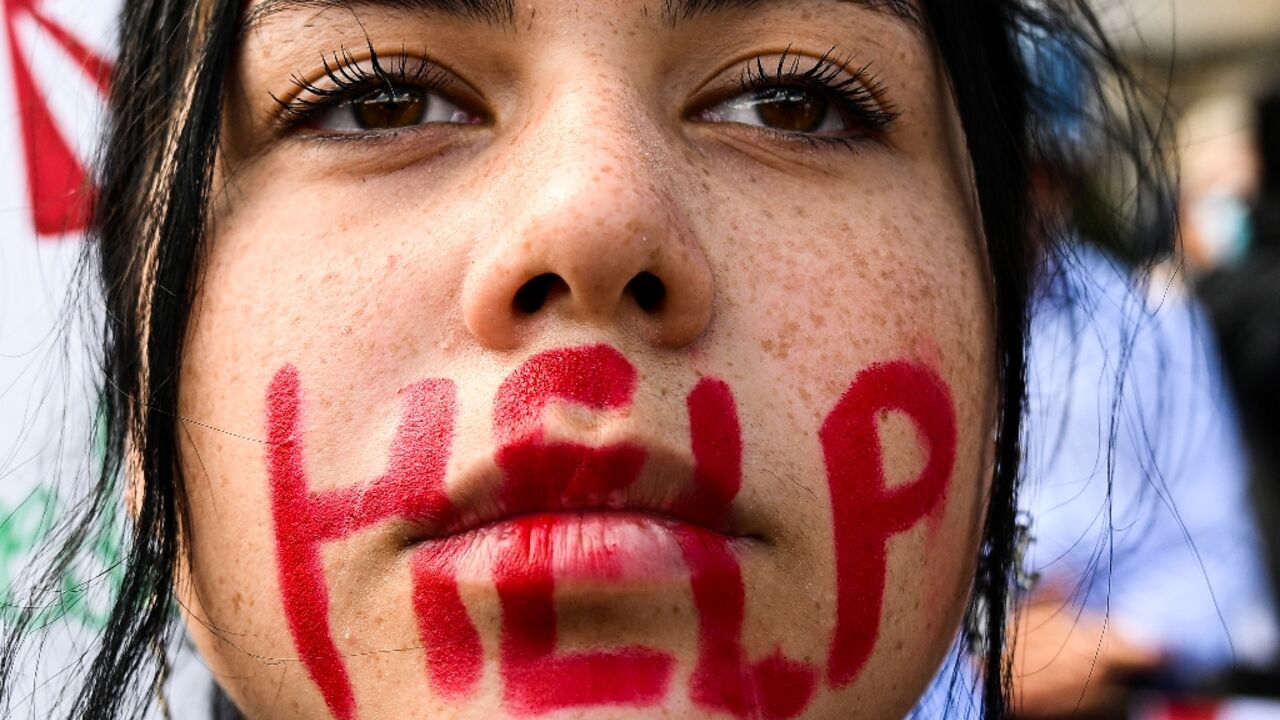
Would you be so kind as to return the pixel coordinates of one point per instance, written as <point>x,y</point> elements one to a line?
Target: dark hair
<point>155,172</point>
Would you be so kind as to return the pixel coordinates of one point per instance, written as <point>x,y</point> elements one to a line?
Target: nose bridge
<point>597,160</point>
<point>600,211</point>
<point>594,232</point>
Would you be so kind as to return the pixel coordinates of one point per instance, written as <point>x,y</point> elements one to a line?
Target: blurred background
<point>1151,582</point>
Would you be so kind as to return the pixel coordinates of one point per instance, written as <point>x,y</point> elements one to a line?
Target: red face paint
<point>542,476</point>
<point>866,513</point>
<point>723,679</point>
<point>546,475</point>
<point>412,487</point>
<point>452,645</point>
<point>596,377</point>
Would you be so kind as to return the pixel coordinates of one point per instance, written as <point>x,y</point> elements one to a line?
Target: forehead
<point>502,13</point>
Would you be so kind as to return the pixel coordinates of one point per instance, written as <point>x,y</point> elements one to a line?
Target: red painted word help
<point>537,677</point>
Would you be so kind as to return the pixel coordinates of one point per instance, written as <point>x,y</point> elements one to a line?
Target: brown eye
<point>388,109</point>
<point>791,109</point>
<point>787,109</point>
<point>392,108</point>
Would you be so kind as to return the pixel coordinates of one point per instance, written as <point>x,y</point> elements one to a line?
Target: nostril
<point>648,291</point>
<point>534,294</point>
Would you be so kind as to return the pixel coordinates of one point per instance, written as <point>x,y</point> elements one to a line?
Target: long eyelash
<point>861,93</point>
<point>350,80</point>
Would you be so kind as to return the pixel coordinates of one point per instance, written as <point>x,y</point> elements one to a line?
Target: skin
<point>374,263</point>
<point>1073,665</point>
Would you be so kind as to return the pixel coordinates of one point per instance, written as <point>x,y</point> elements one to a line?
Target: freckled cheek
<point>881,272</point>
<point>808,329</point>
<point>230,598</point>
<point>926,588</point>
<point>354,277</point>
<point>931,565</point>
<point>811,307</point>
<point>270,294</point>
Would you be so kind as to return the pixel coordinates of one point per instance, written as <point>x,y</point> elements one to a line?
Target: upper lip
<point>509,485</point>
<point>536,471</point>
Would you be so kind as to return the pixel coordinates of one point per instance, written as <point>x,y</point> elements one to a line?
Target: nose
<point>595,235</point>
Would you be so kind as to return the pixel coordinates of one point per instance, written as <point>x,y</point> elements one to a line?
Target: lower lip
<point>598,547</point>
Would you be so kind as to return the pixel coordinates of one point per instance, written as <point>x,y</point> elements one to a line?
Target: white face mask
<point>1222,221</point>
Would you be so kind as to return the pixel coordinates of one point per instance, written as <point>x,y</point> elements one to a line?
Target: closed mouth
<point>669,517</point>
<point>577,512</point>
<point>562,503</point>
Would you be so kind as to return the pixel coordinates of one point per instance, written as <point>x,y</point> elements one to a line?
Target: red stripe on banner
<point>95,67</point>
<point>58,185</point>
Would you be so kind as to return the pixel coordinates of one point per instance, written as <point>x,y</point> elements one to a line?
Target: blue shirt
<point>1125,392</point>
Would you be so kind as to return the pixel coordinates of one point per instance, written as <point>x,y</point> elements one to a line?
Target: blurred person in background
<point>1219,181</point>
<point>1145,561</point>
<point>1244,301</point>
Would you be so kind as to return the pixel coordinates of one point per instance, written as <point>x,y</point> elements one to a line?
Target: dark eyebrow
<point>676,10</point>
<point>494,12</point>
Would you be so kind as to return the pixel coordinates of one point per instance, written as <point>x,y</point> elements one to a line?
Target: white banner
<point>55,67</point>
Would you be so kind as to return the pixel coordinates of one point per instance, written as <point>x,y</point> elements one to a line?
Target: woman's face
<point>607,359</point>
